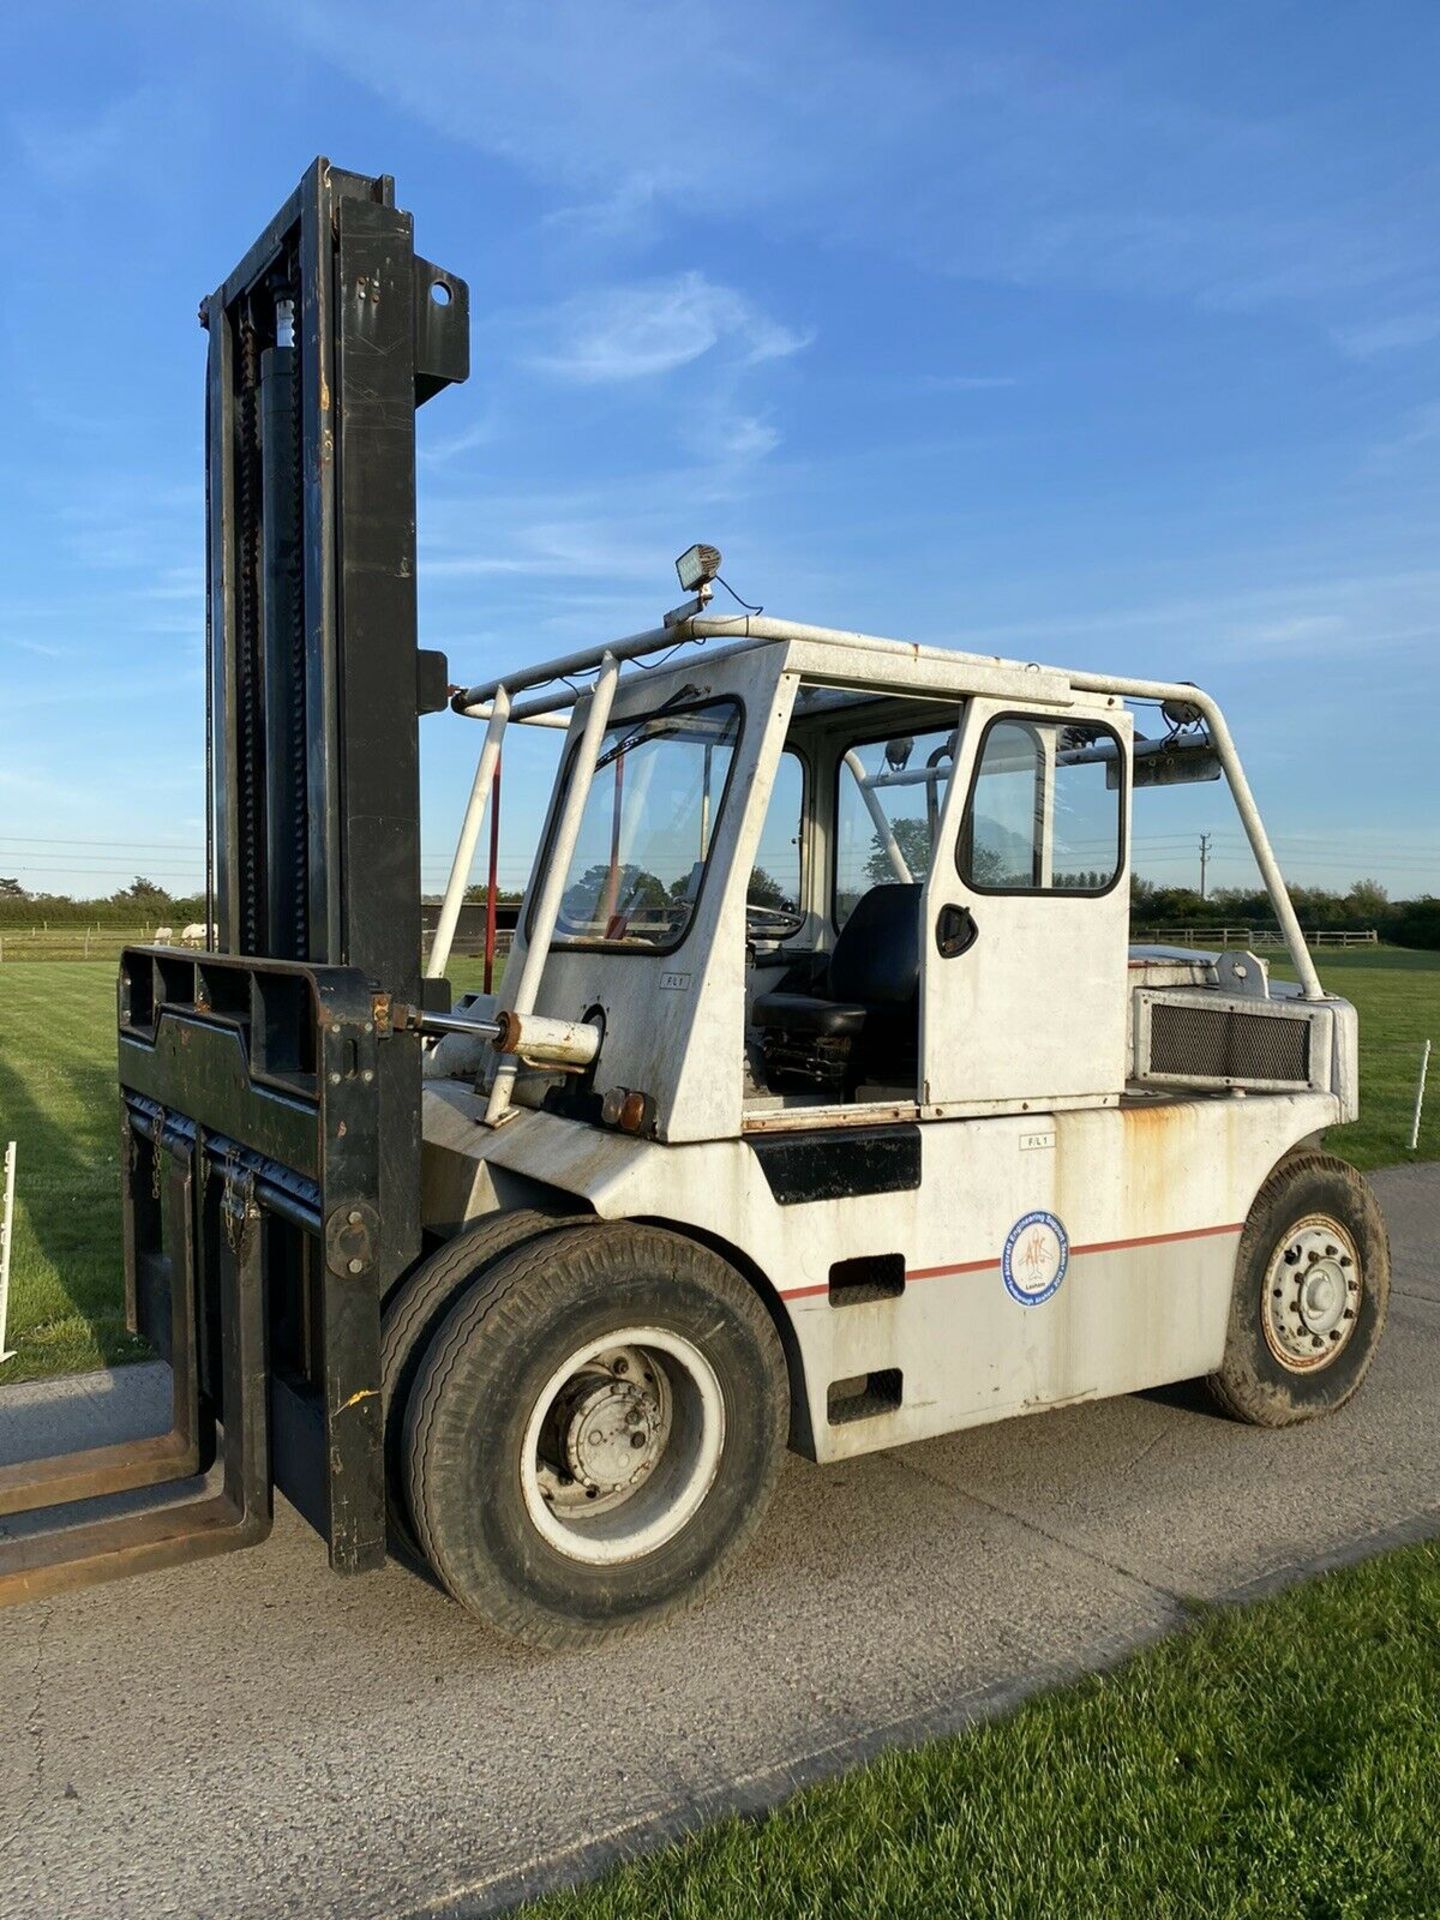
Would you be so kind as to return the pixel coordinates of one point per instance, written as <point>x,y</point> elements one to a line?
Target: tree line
<point>1366,904</point>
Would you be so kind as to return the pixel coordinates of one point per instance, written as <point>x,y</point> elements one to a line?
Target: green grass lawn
<point>57,1099</point>
<point>1277,1762</point>
<point>57,1102</point>
<point>1397,995</point>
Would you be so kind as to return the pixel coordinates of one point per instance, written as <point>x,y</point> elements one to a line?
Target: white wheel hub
<point>1313,1292</point>
<point>622,1445</point>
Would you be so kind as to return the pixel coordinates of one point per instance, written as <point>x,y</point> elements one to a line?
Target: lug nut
<point>637,1440</point>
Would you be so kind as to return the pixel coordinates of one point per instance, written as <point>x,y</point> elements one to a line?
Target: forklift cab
<point>798,897</point>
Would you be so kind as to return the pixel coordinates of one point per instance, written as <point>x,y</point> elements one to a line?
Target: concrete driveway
<point>254,1737</point>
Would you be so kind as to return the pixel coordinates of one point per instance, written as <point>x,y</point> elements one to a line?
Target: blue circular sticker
<point>1036,1255</point>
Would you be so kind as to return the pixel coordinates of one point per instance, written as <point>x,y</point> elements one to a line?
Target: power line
<point>38,840</point>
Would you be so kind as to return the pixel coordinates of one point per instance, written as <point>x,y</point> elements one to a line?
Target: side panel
<point>1150,1200</point>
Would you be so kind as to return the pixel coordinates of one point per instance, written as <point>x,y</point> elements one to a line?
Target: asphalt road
<point>254,1737</point>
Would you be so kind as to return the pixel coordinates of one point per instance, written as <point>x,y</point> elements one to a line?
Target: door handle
<point>955,932</point>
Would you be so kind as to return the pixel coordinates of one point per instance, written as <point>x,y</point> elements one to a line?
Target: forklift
<point>824,1103</point>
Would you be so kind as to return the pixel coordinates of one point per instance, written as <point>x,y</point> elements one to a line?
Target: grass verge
<point>1277,1762</point>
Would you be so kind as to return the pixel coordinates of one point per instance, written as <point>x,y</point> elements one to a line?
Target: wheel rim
<point>622,1445</point>
<point>1314,1287</point>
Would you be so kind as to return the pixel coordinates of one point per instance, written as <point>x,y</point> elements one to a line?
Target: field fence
<point>70,943</point>
<point>1255,938</point>
<point>105,943</point>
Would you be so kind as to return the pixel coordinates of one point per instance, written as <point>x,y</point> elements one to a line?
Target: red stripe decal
<point>938,1273</point>
<point>1157,1239</point>
<point>983,1266</point>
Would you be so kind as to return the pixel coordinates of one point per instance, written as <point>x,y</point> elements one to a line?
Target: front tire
<point>595,1433</point>
<point>410,1320</point>
<point>1312,1286</point>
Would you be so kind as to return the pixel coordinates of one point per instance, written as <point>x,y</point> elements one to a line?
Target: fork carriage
<point>824,1103</point>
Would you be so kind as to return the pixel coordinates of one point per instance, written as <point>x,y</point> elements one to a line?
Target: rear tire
<point>412,1315</point>
<point>595,1433</point>
<point>1312,1286</point>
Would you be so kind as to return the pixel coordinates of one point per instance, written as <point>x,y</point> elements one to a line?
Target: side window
<point>774,900</point>
<point>887,812</point>
<point>1045,810</point>
<point>1001,843</point>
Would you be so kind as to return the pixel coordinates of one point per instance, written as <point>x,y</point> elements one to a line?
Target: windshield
<point>648,826</point>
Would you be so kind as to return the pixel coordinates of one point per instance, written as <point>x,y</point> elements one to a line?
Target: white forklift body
<point>1028,1186</point>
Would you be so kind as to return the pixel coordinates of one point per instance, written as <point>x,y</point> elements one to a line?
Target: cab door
<point>1025,913</point>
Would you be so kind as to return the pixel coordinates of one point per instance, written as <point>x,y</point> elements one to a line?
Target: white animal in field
<point>163,936</point>
<point>193,935</point>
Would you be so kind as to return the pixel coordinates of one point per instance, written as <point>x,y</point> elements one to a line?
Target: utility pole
<point>1204,860</point>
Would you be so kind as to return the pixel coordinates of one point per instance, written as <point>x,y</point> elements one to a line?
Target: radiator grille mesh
<point>1210,1043</point>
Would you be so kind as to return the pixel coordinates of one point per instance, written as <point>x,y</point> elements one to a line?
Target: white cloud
<point>132,138</point>
<point>744,436</point>
<point>984,154</point>
<point>629,212</point>
<point>966,382</point>
<point>1357,617</point>
<point>435,453</point>
<point>653,327</point>
<point>1420,429</point>
<point>1388,336</point>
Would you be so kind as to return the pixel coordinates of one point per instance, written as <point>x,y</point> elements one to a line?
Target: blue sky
<point>1083,332</point>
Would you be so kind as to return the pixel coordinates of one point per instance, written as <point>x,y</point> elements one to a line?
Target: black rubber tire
<point>412,1315</point>
<point>1253,1384</point>
<point>486,1368</point>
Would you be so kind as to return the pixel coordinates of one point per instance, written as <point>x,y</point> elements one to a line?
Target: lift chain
<point>157,1159</point>
<point>238,1219</point>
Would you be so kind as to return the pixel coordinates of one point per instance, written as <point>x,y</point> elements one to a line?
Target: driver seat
<point>872,983</point>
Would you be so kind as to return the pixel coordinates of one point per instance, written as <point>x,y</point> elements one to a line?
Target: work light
<point>697,567</point>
